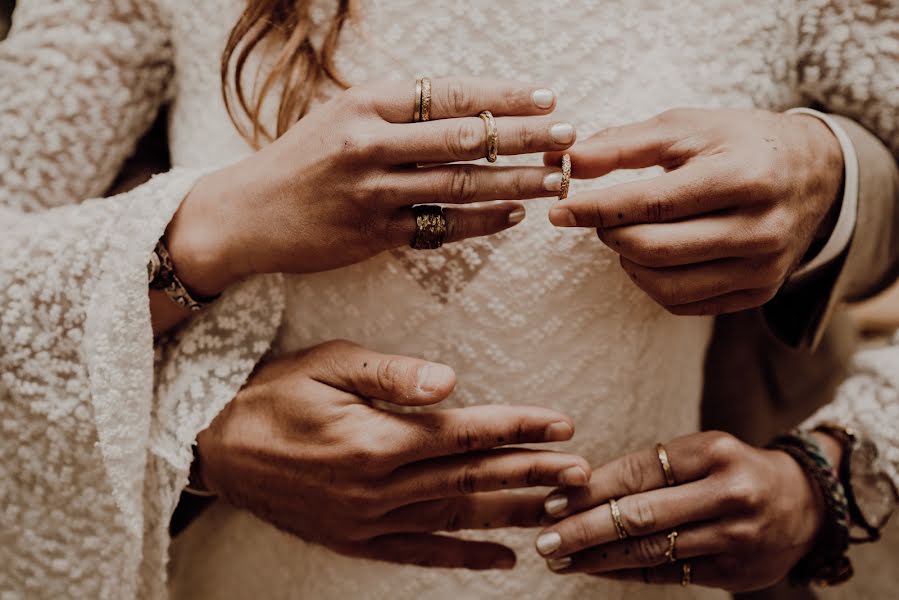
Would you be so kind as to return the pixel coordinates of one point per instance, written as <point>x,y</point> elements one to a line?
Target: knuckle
<point>581,533</point>
<point>459,99</point>
<point>467,480</point>
<point>466,439</point>
<point>650,550</point>
<point>630,473</point>
<point>720,448</point>
<point>368,454</point>
<point>452,520</point>
<point>528,138</point>
<point>741,494</point>
<point>391,375</point>
<point>359,145</point>
<point>659,209</point>
<point>639,516</point>
<point>359,97</point>
<point>533,475</point>
<point>458,227</point>
<point>741,536</point>
<point>464,141</point>
<point>462,185</point>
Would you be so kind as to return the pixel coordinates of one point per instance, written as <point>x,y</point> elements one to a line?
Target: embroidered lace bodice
<point>97,427</point>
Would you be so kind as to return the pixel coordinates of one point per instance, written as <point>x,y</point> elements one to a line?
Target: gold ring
<point>425,99</point>
<point>416,113</point>
<point>566,176</point>
<point>616,518</point>
<point>687,577</point>
<point>670,553</point>
<point>430,227</point>
<point>492,135</point>
<point>666,466</point>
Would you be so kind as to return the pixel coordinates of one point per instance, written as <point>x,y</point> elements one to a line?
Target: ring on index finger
<point>666,465</point>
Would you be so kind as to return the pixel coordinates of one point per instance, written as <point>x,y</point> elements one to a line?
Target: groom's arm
<point>799,314</point>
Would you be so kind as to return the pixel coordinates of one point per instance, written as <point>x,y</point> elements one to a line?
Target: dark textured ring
<point>430,227</point>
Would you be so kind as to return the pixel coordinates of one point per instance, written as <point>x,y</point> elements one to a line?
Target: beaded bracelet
<point>826,564</point>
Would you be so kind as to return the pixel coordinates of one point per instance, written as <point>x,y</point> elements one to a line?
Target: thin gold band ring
<point>492,135</point>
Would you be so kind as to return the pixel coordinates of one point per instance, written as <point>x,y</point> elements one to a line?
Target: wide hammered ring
<point>666,465</point>
<point>492,135</point>
<point>430,227</point>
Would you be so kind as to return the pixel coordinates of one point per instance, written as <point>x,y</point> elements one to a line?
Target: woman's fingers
<point>453,140</point>
<point>492,510</point>
<point>695,189</point>
<point>459,97</point>
<point>640,514</point>
<point>461,222</point>
<point>647,551</point>
<point>706,571</point>
<point>486,471</point>
<point>461,184</point>
<point>631,474</point>
<point>427,550</point>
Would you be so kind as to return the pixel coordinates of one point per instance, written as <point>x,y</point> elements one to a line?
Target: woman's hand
<point>743,516</point>
<point>303,448</point>
<point>339,186</point>
<point>744,196</point>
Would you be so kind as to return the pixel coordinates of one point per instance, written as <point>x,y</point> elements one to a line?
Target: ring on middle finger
<point>492,135</point>
<point>671,552</point>
<point>616,519</point>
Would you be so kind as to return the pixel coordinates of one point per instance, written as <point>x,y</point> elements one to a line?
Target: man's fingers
<point>460,97</point>
<point>705,571</point>
<point>677,286</point>
<point>486,471</point>
<point>728,303</point>
<point>641,515</point>
<point>634,146</point>
<point>700,240</point>
<point>646,551</point>
<point>427,550</point>
<point>492,510</point>
<point>695,189</point>
<point>463,430</point>
<point>391,378</point>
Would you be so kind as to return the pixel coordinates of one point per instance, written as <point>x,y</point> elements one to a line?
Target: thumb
<point>635,146</point>
<point>391,378</point>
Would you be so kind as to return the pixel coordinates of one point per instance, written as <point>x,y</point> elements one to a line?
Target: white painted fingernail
<point>562,133</point>
<point>543,98</point>
<point>557,564</point>
<point>432,377</point>
<point>556,504</point>
<point>516,216</point>
<point>548,543</point>
<point>553,182</point>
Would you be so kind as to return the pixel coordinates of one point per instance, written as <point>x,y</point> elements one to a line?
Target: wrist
<point>199,242</point>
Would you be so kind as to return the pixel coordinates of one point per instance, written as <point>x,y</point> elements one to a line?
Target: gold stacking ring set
<point>430,220</point>
<point>671,553</point>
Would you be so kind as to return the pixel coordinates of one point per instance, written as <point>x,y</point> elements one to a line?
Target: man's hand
<point>302,447</point>
<point>744,195</point>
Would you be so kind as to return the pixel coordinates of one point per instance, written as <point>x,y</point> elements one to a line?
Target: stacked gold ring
<point>422,110</point>
<point>616,519</point>
<point>430,227</point>
<point>492,135</point>
<point>687,574</point>
<point>671,552</point>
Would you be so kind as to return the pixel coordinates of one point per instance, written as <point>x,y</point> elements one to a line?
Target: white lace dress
<point>96,429</point>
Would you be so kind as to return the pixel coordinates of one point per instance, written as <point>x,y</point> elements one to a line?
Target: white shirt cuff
<point>843,230</point>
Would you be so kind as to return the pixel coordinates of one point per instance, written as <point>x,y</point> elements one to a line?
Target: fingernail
<point>433,376</point>
<point>556,504</point>
<point>553,182</point>
<point>548,543</point>
<point>560,431</point>
<point>573,477</point>
<point>505,563</point>
<point>562,133</point>
<point>516,216</point>
<point>562,217</point>
<point>557,564</point>
<point>543,98</point>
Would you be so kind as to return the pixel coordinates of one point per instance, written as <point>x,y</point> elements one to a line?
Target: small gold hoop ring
<point>430,227</point>
<point>566,176</point>
<point>492,135</point>
<point>425,99</point>
<point>666,465</point>
<point>616,518</point>
<point>687,577</point>
<point>416,112</point>
<point>671,552</point>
